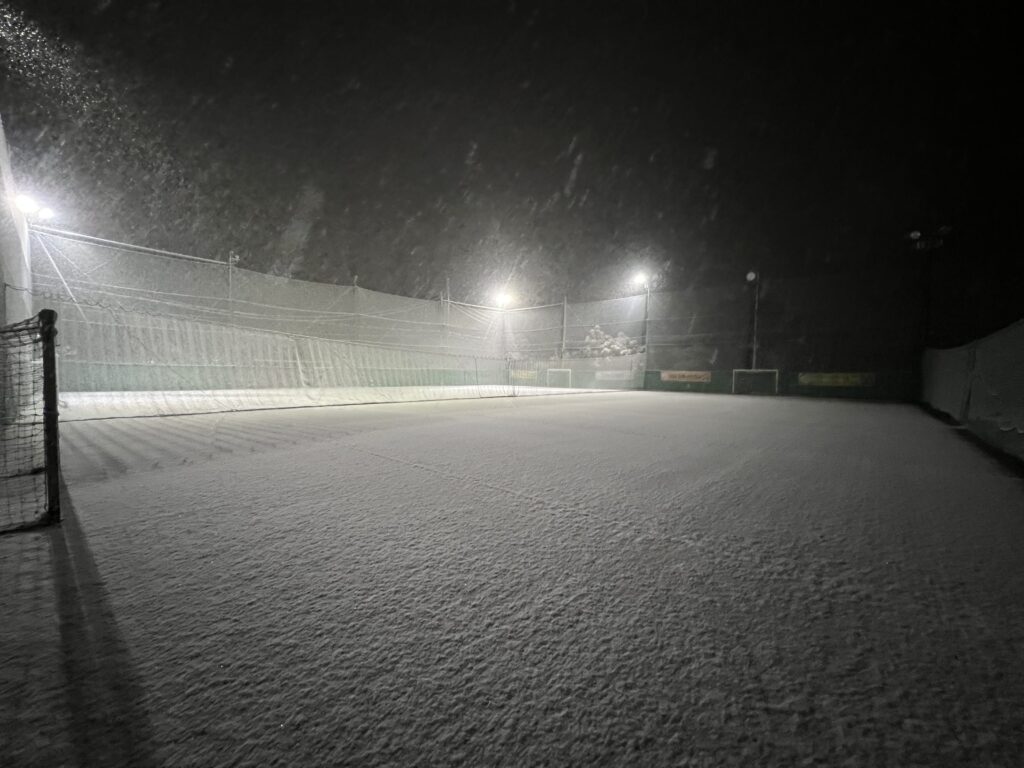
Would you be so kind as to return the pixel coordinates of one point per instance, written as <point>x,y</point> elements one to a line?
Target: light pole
<point>642,278</point>
<point>755,278</point>
<point>232,260</point>
<point>925,243</point>
<point>447,310</point>
<point>565,320</point>
<point>503,299</point>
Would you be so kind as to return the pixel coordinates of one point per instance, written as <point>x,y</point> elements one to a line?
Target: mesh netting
<point>996,399</point>
<point>23,499</point>
<point>698,330</point>
<point>946,380</point>
<point>130,364</point>
<point>621,320</point>
<point>149,333</point>
<point>982,384</point>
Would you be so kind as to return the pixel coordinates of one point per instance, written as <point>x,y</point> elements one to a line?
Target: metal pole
<point>51,435</point>
<point>232,260</point>
<point>357,325</point>
<point>504,337</point>
<point>565,314</point>
<point>757,301</point>
<point>926,299</point>
<point>233,352</point>
<point>647,313</point>
<point>447,309</point>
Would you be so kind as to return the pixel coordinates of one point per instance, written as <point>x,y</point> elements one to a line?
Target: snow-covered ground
<point>82,406</point>
<point>607,579</point>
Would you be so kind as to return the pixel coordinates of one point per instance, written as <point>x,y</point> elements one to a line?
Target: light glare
<point>503,298</point>
<point>46,213</point>
<point>26,204</point>
<point>640,278</point>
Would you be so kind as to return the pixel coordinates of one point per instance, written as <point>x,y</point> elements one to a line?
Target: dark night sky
<point>557,145</point>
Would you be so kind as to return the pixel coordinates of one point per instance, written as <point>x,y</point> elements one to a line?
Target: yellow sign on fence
<point>697,377</point>
<point>836,379</point>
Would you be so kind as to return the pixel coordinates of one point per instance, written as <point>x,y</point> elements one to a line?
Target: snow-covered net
<point>982,385</point>
<point>609,328</point>
<point>591,329</point>
<point>151,333</point>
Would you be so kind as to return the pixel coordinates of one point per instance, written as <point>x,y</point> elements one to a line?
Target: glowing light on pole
<point>26,204</point>
<point>753,277</point>
<point>504,299</point>
<point>642,278</point>
<point>32,208</point>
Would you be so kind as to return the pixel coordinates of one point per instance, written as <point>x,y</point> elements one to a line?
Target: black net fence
<point>27,494</point>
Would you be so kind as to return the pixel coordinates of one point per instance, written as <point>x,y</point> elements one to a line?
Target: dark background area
<point>555,147</point>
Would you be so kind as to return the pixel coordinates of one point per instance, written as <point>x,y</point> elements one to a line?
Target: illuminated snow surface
<point>81,406</point>
<point>607,579</point>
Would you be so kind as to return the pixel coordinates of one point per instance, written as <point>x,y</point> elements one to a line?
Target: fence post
<point>647,314</point>
<point>565,313</point>
<point>51,436</point>
<point>446,305</point>
<point>757,305</point>
<point>965,401</point>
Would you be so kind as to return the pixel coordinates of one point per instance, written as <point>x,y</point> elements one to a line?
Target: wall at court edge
<point>14,255</point>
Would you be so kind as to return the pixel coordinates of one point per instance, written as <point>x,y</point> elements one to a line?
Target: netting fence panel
<point>534,332</point>
<point>605,328</point>
<point>475,330</point>
<point>996,399</point>
<point>150,332</point>
<point>819,324</point>
<point>614,372</point>
<point>982,385</point>
<point>398,321</point>
<point>284,305</point>
<point>946,380</point>
<point>706,329</point>
<point>28,452</point>
<point>117,363</point>
<point>116,278</point>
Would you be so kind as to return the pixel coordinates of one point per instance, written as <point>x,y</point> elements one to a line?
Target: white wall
<point>16,300</point>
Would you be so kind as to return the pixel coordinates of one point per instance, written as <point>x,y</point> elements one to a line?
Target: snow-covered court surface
<point>608,579</point>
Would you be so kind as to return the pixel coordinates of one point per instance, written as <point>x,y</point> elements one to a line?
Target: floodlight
<point>503,298</point>
<point>46,213</point>
<point>751,276</point>
<point>26,204</point>
<point>640,278</point>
